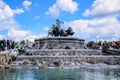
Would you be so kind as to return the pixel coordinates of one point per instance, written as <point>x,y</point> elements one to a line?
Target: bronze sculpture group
<point>56,30</point>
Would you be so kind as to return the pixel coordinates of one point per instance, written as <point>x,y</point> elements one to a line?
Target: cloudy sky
<point>90,19</point>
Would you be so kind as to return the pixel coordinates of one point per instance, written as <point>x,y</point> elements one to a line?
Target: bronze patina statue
<point>56,30</point>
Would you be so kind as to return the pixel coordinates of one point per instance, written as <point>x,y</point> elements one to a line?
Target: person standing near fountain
<point>105,47</point>
<point>2,45</point>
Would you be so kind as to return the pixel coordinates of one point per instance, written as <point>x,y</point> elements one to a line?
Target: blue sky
<point>30,19</point>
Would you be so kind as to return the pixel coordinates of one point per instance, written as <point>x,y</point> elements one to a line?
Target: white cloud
<point>36,17</point>
<point>5,12</point>
<point>62,5</point>
<point>8,24</point>
<point>18,11</point>
<point>104,24</point>
<point>7,16</point>
<point>99,28</point>
<point>18,35</point>
<point>32,37</point>
<point>27,4</point>
<point>53,11</point>
<point>103,8</point>
<point>2,37</point>
<point>67,5</point>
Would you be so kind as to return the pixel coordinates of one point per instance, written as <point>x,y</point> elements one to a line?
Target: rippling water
<point>60,74</point>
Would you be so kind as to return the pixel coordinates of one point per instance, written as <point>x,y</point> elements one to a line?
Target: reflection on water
<point>60,74</point>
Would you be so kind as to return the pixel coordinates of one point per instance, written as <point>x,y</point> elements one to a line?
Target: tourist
<point>105,47</point>
<point>114,45</point>
<point>2,45</point>
<point>8,44</point>
<point>100,44</point>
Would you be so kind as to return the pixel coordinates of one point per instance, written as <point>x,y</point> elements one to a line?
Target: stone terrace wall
<point>59,43</point>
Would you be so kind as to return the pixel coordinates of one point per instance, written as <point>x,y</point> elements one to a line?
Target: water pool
<point>60,74</point>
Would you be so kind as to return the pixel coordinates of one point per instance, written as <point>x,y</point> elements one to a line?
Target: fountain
<point>60,49</point>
